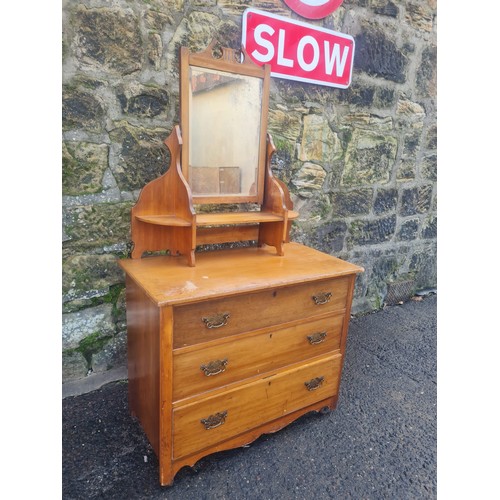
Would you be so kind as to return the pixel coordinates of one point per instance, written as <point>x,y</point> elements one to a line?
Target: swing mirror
<point>224,106</point>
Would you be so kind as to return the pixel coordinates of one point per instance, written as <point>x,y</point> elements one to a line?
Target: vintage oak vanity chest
<point>241,341</point>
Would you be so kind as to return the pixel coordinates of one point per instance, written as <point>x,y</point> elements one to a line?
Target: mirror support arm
<point>164,217</point>
<point>277,201</point>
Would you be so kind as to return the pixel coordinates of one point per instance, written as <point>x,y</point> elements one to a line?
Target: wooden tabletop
<point>169,280</point>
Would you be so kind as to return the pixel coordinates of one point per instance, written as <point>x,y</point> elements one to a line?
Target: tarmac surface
<point>380,442</point>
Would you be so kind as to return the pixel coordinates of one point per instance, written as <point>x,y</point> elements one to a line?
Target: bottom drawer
<point>217,418</point>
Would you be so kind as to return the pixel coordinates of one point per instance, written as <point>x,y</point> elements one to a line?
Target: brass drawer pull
<point>317,338</point>
<point>214,367</point>
<point>313,384</point>
<point>322,298</point>
<point>216,321</point>
<point>215,420</point>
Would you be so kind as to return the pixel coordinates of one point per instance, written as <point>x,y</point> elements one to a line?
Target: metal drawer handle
<point>322,298</point>
<point>317,338</point>
<point>313,384</point>
<point>215,420</point>
<point>214,367</point>
<point>216,321</point>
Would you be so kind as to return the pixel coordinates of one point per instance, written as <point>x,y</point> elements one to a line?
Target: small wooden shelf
<point>164,220</point>
<point>164,217</point>
<point>216,219</point>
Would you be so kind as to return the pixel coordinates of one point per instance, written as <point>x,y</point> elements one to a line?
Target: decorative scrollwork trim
<point>316,338</point>
<point>214,420</point>
<point>314,383</point>
<point>214,367</point>
<point>216,321</point>
<point>322,298</point>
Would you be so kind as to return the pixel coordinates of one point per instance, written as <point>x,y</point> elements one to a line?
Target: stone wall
<point>360,162</point>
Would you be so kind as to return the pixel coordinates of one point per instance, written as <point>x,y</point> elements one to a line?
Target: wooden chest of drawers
<point>240,345</point>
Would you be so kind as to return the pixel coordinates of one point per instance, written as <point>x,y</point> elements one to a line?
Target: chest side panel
<point>143,345</point>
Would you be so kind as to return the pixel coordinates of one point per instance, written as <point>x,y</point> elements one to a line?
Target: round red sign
<point>313,9</point>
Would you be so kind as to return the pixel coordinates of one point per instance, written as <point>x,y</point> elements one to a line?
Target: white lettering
<point>335,60</point>
<point>284,61</point>
<point>266,44</point>
<point>308,40</point>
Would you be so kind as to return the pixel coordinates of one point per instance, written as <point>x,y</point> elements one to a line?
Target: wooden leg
<point>166,474</point>
<point>271,233</point>
<point>190,258</point>
<point>136,252</point>
<point>279,248</point>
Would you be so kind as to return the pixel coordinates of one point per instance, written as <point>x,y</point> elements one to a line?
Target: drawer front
<point>214,319</point>
<point>210,367</point>
<point>215,419</point>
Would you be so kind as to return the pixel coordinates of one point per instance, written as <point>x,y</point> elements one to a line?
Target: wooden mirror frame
<point>239,63</point>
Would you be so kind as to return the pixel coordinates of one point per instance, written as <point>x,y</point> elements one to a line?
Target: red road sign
<point>313,9</point>
<point>298,51</point>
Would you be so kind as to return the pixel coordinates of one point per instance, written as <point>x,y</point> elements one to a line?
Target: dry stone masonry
<point>361,162</point>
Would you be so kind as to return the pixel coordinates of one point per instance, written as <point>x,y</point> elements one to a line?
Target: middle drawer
<point>229,361</point>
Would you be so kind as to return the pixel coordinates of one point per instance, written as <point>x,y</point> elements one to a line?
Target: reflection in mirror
<point>224,132</point>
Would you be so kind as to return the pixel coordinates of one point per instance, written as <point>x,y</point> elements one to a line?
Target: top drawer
<point>204,321</point>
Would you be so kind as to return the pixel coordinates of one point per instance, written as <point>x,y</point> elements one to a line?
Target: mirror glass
<point>224,132</point>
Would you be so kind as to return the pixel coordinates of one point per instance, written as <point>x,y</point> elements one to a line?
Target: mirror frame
<point>231,61</point>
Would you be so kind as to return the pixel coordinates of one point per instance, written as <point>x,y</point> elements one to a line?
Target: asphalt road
<point>380,442</point>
